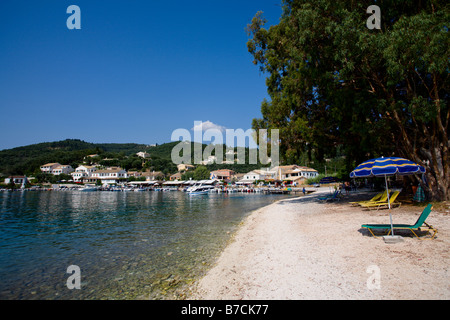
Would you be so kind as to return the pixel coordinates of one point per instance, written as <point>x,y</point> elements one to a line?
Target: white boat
<point>88,189</point>
<point>198,190</point>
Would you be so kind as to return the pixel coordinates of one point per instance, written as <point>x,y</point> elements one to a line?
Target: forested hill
<point>28,159</point>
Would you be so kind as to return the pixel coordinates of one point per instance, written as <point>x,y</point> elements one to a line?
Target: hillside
<point>28,159</point>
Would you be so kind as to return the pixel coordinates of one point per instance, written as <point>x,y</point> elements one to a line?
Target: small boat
<point>199,190</point>
<point>88,189</point>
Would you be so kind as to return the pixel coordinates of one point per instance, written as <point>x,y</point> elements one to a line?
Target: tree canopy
<point>333,82</point>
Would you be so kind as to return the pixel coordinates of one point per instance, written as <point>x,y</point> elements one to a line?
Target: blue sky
<point>135,72</point>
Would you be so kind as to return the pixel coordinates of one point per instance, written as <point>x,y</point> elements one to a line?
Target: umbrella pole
<point>389,204</point>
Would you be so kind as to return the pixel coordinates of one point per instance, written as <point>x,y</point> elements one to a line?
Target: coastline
<point>302,249</point>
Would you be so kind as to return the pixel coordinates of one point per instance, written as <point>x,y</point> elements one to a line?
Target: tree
<point>334,82</point>
<point>201,173</point>
<point>187,175</point>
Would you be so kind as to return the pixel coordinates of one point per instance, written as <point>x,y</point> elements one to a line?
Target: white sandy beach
<point>302,249</point>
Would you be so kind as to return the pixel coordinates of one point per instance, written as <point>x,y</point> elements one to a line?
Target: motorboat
<point>198,190</point>
<point>88,189</point>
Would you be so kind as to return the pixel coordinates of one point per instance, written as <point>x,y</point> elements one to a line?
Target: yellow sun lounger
<point>384,204</point>
<point>382,196</point>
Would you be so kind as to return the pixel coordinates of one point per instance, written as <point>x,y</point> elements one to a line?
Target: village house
<point>16,180</point>
<point>82,172</point>
<point>56,168</point>
<point>110,175</point>
<point>262,174</point>
<point>294,173</point>
<point>185,167</point>
<point>153,175</point>
<point>91,156</point>
<point>175,177</point>
<point>65,169</point>
<point>222,174</point>
<point>143,155</point>
<point>210,160</point>
<point>48,168</point>
<point>134,173</point>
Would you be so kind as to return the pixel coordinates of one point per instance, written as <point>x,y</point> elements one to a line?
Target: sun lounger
<point>336,196</point>
<point>382,196</point>
<point>328,196</point>
<point>420,225</point>
<point>383,204</point>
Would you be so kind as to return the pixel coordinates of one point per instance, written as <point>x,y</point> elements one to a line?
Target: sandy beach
<point>303,249</point>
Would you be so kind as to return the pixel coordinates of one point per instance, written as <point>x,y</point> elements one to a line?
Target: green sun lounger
<point>420,225</point>
<point>336,196</point>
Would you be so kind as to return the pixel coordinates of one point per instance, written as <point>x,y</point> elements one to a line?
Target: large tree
<point>334,82</point>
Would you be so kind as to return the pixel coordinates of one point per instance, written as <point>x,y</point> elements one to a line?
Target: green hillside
<point>28,159</point>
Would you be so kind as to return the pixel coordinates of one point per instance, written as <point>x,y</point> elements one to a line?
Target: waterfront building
<point>153,175</point>
<point>294,173</point>
<point>175,177</point>
<point>110,175</point>
<point>82,172</point>
<point>16,180</point>
<point>222,174</point>
<point>262,174</point>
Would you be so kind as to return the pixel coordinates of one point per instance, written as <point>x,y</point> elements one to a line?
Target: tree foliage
<point>334,82</point>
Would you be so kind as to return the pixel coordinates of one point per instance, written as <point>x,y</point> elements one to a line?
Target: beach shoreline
<point>300,249</point>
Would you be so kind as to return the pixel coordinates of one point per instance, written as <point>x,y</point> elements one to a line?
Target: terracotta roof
<point>50,164</point>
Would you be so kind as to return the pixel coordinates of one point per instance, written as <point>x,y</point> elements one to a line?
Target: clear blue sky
<point>136,71</point>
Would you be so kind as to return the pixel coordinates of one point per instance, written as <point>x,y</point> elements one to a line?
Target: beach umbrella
<point>328,180</point>
<point>386,167</point>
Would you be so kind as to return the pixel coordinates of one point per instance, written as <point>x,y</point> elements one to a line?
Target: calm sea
<point>128,245</point>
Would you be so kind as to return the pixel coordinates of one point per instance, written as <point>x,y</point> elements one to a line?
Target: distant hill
<point>28,159</point>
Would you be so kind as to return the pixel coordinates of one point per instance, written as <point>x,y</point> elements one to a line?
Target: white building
<point>16,180</point>
<point>210,160</point>
<point>82,172</point>
<point>185,167</point>
<point>110,175</point>
<point>263,174</point>
<point>143,155</point>
<point>294,172</point>
<point>48,168</point>
<point>66,169</point>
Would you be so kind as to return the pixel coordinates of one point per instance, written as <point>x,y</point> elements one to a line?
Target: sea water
<point>127,245</point>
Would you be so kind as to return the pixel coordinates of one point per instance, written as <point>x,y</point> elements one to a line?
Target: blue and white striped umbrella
<point>386,167</point>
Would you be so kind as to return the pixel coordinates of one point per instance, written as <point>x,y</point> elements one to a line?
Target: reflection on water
<point>128,245</point>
